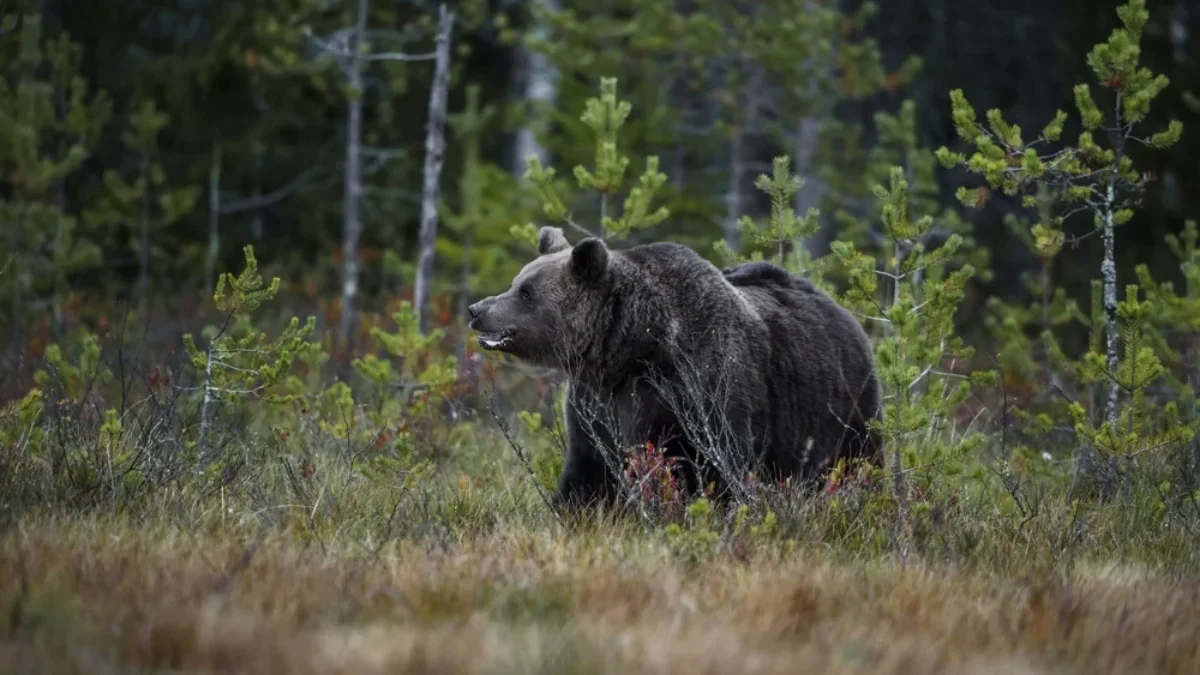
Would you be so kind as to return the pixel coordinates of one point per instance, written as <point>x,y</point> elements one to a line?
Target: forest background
<point>241,416</point>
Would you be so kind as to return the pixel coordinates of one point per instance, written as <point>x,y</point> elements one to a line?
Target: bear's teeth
<point>493,343</point>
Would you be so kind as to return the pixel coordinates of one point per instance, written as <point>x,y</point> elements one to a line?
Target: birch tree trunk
<point>733,198</point>
<point>540,85</point>
<point>1178,24</point>
<point>808,138</point>
<point>808,135</point>
<point>352,222</point>
<point>435,150</point>
<point>1108,270</point>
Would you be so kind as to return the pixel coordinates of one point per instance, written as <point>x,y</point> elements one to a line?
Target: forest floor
<point>123,594</point>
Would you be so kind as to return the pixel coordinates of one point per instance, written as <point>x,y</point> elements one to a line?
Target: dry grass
<point>105,595</point>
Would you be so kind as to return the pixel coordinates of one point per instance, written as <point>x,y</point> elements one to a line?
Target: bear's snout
<point>478,312</point>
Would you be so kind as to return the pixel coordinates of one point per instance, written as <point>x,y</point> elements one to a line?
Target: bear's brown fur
<point>747,369</point>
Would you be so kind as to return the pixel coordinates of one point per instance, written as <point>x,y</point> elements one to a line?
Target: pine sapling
<point>52,119</point>
<point>784,230</point>
<point>916,309</point>
<point>240,361</point>
<point>1085,177</point>
<point>1143,425</point>
<point>604,115</point>
<point>147,200</point>
<point>1174,328</point>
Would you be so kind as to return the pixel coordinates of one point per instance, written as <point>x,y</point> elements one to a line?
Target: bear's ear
<point>589,259</point>
<point>551,240</point>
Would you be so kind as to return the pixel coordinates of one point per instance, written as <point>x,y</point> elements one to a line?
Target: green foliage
<point>52,122</point>
<point>920,352</point>
<point>145,207</point>
<point>1173,325</point>
<point>695,539</point>
<point>783,229</point>
<point>1144,424</point>
<point>20,430</point>
<point>69,380</point>
<point>240,361</point>
<point>604,116</point>
<point>413,350</point>
<point>1084,177</point>
<point>709,79</point>
<point>546,460</point>
<point>489,201</point>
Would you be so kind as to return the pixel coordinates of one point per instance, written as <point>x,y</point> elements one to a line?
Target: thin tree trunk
<point>206,410</point>
<point>435,149</point>
<point>1108,270</point>
<point>733,198</point>
<point>808,135</point>
<point>1106,470</point>
<point>59,281</point>
<point>214,219</point>
<point>540,80</point>
<point>899,482</point>
<point>144,257</point>
<point>1192,467</point>
<point>1178,23</point>
<point>352,223</point>
<point>464,295</point>
<point>256,225</point>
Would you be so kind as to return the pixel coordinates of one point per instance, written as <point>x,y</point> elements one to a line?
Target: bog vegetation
<point>207,465</point>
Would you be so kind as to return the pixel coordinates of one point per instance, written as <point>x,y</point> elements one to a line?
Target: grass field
<point>481,580</point>
<point>334,533</point>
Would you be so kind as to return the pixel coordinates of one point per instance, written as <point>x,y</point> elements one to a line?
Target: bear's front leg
<point>586,480</point>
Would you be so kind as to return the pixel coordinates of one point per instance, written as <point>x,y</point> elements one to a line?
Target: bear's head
<point>551,307</point>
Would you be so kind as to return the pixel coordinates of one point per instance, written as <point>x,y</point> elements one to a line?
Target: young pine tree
<point>716,81</point>
<point>919,349</point>
<point>605,116</point>
<point>239,360</point>
<point>147,206</point>
<point>51,122</point>
<point>1086,177</point>
<point>777,237</point>
<point>1173,328</point>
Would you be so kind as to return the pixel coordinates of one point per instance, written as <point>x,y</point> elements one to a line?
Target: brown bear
<point>750,369</point>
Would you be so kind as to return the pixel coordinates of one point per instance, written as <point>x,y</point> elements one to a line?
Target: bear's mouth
<point>496,340</point>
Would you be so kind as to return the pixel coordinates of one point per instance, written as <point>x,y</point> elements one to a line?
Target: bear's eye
<point>525,295</point>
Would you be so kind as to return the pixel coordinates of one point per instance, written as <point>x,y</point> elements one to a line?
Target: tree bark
<point>733,198</point>
<point>352,222</point>
<point>144,253</point>
<point>464,298</point>
<point>214,219</point>
<point>1108,270</point>
<point>808,135</point>
<point>435,149</point>
<point>540,84</point>
<point>256,225</point>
